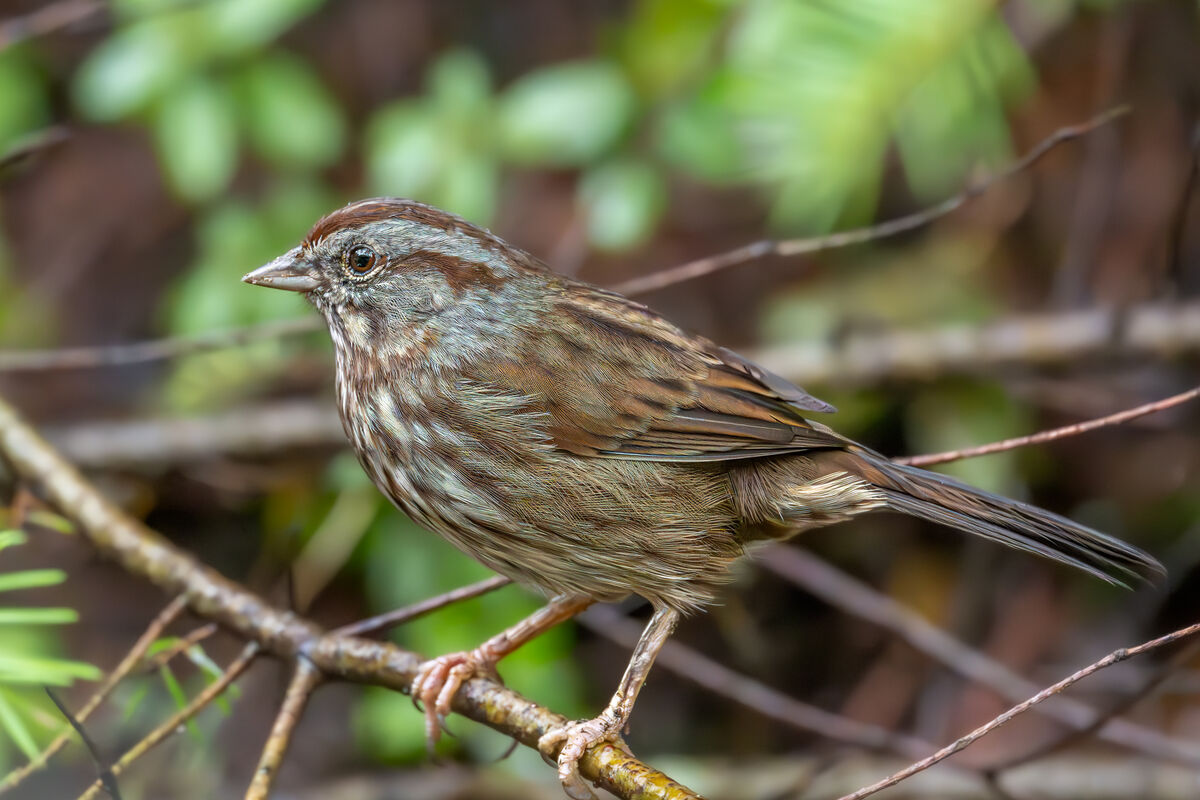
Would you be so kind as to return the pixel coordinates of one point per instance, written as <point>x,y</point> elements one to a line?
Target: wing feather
<point>617,380</point>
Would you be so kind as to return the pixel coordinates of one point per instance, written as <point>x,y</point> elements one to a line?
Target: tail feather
<point>943,500</point>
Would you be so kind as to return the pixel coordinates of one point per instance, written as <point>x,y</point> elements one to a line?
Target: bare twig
<point>721,680</point>
<point>163,658</point>
<point>1065,338</point>
<point>180,717</point>
<point>144,553</point>
<point>151,349</point>
<point>842,591</point>
<point>1179,226</point>
<point>47,19</point>
<point>34,143</point>
<point>240,432</point>
<point>1055,433</point>
<point>127,665</point>
<point>795,247</point>
<point>306,679</point>
<point>1112,658</point>
<point>107,779</point>
<point>1160,676</point>
<point>400,616</point>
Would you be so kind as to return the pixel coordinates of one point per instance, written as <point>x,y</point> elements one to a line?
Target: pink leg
<point>439,679</point>
<point>573,739</point>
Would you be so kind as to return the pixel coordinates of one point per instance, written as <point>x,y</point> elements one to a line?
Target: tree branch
<point>144,553</point>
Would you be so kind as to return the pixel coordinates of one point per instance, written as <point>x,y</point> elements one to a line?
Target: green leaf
<point>51,520</point>
<point>667,41</point>
<point>459,84</point>
<point>470,187</point>
<point>196,133</point>
<point>31,579</point>
<point>128,70</point>
<point>623,201</point>
<point>38,616</point>
<point>16,728</point>
<point>23,103</point>
<point>292,119</point>
<point>45,670</point>
<point>180,697</point>
<point>12,537</point>
<point>134,701</point>
<point>701,138</point>
<point>565,115</point>
<point>404,150</point>
<point>240,27</point>
<point>212,672</point>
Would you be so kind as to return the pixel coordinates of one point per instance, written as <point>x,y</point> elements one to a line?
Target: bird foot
<point>575,738</point>
<point>438,680</point>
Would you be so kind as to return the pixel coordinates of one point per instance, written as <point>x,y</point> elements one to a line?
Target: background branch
<point>1112,658</point>
<point>1151,330</point>
<point>854,597</point>
<point>795,247</point>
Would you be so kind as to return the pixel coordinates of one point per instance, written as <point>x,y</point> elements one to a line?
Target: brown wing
<point>642,389</point>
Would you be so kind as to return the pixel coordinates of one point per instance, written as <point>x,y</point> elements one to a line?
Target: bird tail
<point>945,501</point>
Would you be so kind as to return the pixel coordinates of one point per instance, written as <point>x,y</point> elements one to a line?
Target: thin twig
<point>854,597</point>
<point>408,613</point>
<point>794,247</point>
<point>1179,225</point>
<point>772,704</point>
<point>1112,658</point>
<point>164,657</point>
<point>1160,676</point>
<point>306,679</point>
<point>34,143</point>
<point>47,19</point>
<point>180,717</point>
<point>130,662</point>
<point>1055,433</point>
<point>151,349</point>
<point>107,779</point>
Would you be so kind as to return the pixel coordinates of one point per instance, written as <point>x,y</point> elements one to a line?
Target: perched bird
<point>581,444</point>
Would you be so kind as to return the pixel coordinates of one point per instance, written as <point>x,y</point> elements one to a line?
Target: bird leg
<point>575,738</point>
<point>439,679</point>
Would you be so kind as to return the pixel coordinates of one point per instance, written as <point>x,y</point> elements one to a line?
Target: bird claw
<point>575,738</point>
<point>437,681</point>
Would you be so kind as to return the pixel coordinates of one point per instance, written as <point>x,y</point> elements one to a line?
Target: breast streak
<point>477,468</point>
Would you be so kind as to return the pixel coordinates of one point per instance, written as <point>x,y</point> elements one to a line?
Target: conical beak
<point>287,272</point>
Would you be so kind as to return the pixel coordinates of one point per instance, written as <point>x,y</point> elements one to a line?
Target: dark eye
<point>361,259</point>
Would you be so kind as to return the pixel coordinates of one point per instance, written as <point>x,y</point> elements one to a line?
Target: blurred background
<point>153,151</point>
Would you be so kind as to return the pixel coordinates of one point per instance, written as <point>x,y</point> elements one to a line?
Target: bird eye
<point>361,259</point>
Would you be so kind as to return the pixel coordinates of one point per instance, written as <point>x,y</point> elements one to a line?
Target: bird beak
<point>287,272</point>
